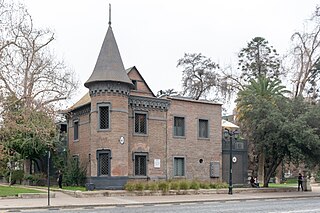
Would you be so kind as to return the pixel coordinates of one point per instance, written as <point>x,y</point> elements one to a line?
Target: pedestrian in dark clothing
<point>60,179</point>
<point>253,182</point>
<point>300,180</point>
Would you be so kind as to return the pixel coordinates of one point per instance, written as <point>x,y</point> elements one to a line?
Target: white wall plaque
<point>156,163</point>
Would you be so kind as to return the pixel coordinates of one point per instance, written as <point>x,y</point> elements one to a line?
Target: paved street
<point>281,205</point>
<point>268,202</point>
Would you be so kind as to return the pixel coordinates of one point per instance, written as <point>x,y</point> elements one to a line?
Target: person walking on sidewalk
<point>300,180</point>
<point>60,179</point>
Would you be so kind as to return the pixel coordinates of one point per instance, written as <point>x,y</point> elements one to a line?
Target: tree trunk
<point>261,168</point>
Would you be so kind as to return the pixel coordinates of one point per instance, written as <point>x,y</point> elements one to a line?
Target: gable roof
<point>86,99</point>
<point>135,68</point>
<point>109,65</point>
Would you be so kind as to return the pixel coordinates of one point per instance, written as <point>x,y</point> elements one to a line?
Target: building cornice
<point>141,103</point>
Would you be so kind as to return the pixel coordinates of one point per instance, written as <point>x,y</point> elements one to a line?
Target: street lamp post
<point>232,135</point>
<point>48,174</point>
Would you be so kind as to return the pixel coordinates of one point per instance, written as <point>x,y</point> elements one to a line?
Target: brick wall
<point>159,142</point>
<point>191,147</point>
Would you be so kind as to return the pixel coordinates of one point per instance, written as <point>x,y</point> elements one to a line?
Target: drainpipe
<point>167,145</point>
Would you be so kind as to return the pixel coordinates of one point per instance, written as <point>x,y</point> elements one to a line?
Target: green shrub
<point>195,185</point>
<point>175,185</point>
<point>74,174</point>
<point>129,186</point>
<point>139,186</point>
<point>204,185</point>
<point>218,185</point>
<point>153,186</point>
<point>36,178</point>
<point>184,185</point>
<point>164,186</point>
<point>16,176</point>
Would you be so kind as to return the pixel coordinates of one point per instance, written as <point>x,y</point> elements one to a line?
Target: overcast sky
<point>153,35</point>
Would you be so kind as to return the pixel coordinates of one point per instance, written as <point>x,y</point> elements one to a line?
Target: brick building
<point>122,131</point>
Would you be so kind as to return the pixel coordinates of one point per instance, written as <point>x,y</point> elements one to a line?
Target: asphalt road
<point>292,205</point>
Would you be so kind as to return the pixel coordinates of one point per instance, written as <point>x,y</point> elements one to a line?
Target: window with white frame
<point>179,126</point>
<point>140,123</point>
<point>203,128</point>
<point>178,166</point>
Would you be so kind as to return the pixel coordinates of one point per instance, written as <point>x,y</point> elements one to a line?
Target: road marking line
<point>233,201</point>
<point>134,206</point>
<point>164,204</point>
<point>298,211</point>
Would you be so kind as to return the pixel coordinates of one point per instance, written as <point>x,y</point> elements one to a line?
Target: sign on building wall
<point>156,163</point>
<point>214,169</point>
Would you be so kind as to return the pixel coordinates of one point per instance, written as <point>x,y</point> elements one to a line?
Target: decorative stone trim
<point>140,103</point>
<point>99,88</point>
<point>81,111</point>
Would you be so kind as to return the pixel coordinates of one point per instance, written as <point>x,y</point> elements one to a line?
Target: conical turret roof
<point>109,65</point>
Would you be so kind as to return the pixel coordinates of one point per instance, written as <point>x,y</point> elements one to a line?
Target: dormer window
<point>134,82</point>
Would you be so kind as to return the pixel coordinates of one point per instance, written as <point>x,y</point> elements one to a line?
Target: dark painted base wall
<point>110,183</point>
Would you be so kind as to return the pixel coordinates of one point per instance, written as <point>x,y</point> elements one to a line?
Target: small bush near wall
<point>165,186</point>
<point>152,186</point>
<point>185,185</point>
<point>195,185</point>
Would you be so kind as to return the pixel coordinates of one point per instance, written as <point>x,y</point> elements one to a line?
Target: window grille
<point>140,165</point>
<point>104,117</point>
<point>140,123</point>
<point>76,130</point>
<point>178,126</point>
<point>104,163</point>
<point>178,167</point>
<point>203,129</point>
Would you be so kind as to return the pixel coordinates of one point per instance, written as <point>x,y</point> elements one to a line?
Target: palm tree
<point>259,111</point>
<point>262,88</point>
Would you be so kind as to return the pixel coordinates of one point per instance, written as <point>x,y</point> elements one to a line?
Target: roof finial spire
<point>109,15</point>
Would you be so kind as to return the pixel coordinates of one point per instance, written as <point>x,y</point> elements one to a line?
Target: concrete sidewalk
<point>65,201</point>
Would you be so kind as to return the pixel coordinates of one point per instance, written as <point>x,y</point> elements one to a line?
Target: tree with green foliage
<point>26,131</point>
<point>32,84</point>
<point>257,59</point>
<point>279,128</point>
<point>259,113</point>
<point>74,173</point>
<point>199,75</point>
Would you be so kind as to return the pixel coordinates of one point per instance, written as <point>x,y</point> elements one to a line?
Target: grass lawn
<point>6,191</point>
<point>277,185</point>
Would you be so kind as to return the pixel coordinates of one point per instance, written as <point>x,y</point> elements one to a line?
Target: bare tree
<point>199,75</point>
<point>32,81</point>
<point>306,56</point>
<point>167,92</point>
<point>28,69</point>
